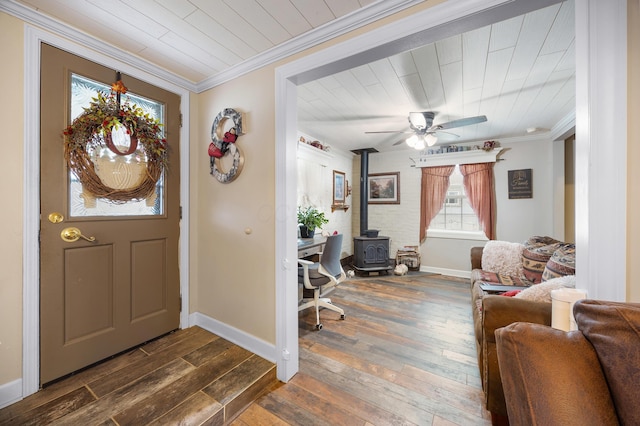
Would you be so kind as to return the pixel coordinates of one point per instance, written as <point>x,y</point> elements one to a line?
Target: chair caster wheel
<point>342,316</point>
<point>318,327</point>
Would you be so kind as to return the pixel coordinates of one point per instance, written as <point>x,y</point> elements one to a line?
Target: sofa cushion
<point>534,260</point>
<point>542,292</point>
<point>502,257</point>
<point>614,331</point>
<point>561,263</point>
<point>493,278</point>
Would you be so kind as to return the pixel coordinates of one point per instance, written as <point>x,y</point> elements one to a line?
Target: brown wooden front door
<point>98,298</point>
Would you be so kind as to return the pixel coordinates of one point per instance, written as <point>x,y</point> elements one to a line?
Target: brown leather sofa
<point>584,377</point>
<point>491,312</point>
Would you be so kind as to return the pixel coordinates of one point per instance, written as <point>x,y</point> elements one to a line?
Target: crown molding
<point>56,27</point>
<point>328,31</point>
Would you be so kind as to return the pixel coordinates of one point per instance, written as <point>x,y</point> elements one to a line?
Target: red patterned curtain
<point>435,183</point>
<point>480,188</point>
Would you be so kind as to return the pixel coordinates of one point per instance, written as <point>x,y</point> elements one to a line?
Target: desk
<point>310,246</point>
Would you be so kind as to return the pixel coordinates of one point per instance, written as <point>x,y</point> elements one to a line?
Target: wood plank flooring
<point>404,355</point>
<point>190,377</point>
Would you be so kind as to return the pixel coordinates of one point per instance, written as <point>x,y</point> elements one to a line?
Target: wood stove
<point>371,254</point>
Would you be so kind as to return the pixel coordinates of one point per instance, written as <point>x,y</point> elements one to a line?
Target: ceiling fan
<point>424,131</point>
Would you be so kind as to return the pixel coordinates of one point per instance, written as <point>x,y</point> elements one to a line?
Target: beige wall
<point>235,222</point>
<point>633,153</point>
<point>11,160</point>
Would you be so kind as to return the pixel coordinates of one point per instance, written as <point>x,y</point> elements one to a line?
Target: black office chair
<point>322,277</point>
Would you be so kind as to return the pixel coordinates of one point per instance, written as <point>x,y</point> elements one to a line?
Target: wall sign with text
<point>520,184</point>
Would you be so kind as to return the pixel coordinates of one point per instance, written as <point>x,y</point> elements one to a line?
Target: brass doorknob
<point>73,234</point>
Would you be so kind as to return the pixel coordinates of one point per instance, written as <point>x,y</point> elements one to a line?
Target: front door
<point>119,286</point>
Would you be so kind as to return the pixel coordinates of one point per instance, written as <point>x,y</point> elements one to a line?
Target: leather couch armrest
<point>551,377</point>
<point>500,311</point>
<point>476,257</point>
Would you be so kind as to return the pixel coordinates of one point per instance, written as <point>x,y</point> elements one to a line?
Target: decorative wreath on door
<point>89,142</point>
<point>224,143</point>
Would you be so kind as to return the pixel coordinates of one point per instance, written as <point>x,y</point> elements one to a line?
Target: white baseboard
<point>449,272</point>
<point>10,392</point>
<point>251,343</point>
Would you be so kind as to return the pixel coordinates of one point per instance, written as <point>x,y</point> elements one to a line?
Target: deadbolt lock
<point>55,217</point>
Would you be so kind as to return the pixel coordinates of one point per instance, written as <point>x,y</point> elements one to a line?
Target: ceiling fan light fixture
<point>412,140</point>
<point>420,144</point>
<point>431,139</point>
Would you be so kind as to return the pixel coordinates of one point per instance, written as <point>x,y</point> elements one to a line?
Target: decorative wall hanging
<point>384,188</point>
<point>520,184</point>
<point>224,143</point>
<point>89,148</point>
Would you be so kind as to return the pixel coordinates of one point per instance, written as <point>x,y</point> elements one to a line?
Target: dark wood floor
<point>403,355</point>
<point>190,377</point>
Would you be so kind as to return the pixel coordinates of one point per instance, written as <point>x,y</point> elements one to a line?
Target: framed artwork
<point>520,184</point>
<point>384,188</point>
<point>339,192</point>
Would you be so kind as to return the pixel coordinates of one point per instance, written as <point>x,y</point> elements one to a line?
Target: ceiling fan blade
<point>389,131</point>
<point>447,133</point>
<point>459,123</point>
<point>401,141</point>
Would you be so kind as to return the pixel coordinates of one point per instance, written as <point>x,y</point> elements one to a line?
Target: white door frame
<point>601,64</point>
<point>31,192</point>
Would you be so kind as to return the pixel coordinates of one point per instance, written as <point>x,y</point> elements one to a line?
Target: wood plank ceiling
<point>519,73</point>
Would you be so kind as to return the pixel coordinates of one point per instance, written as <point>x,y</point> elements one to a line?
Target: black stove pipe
<point>364,190</point>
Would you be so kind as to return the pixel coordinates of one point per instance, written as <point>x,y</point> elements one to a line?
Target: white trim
<point>31,263</point>
<point>457,235</point>
<point>247,341</point>
<point>10,392</point>
<point>464,157</point>
<point>449,17</point>
<point>448,272</point>
<point>601,148</point>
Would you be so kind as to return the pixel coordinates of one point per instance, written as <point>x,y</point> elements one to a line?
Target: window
<point>456,213</point>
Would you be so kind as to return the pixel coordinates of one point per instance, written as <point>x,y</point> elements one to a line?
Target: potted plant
<point>310,218</point>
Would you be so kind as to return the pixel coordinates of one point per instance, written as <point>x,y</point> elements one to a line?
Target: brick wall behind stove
<point>399,222</point>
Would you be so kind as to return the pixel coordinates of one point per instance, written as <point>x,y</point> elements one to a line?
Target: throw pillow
<point>542,292</point>
<point>534,260</point>
<point>562,262</point>
<point>502,257</point>
<point>538,241</point>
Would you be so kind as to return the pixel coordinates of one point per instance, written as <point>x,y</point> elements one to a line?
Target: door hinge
<point>180,302</point>
<point>180,212</point>
<point>180,119</point>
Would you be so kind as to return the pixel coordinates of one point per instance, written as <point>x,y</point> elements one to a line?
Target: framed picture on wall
<point>520,184</point>
<point>339,192</point>
<point>384,188</point>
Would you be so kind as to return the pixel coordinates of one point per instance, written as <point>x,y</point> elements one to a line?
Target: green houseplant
<point>310,218</point>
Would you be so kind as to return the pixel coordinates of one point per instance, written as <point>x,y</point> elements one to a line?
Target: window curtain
<point>478,181</point>
<point>435,183</point>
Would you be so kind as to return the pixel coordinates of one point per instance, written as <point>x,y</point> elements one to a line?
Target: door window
<point>124,168</point>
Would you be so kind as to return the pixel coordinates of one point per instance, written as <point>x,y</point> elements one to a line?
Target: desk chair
<point>322,277</point>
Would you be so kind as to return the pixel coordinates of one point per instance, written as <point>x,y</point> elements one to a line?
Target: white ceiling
<point>519,73</point>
